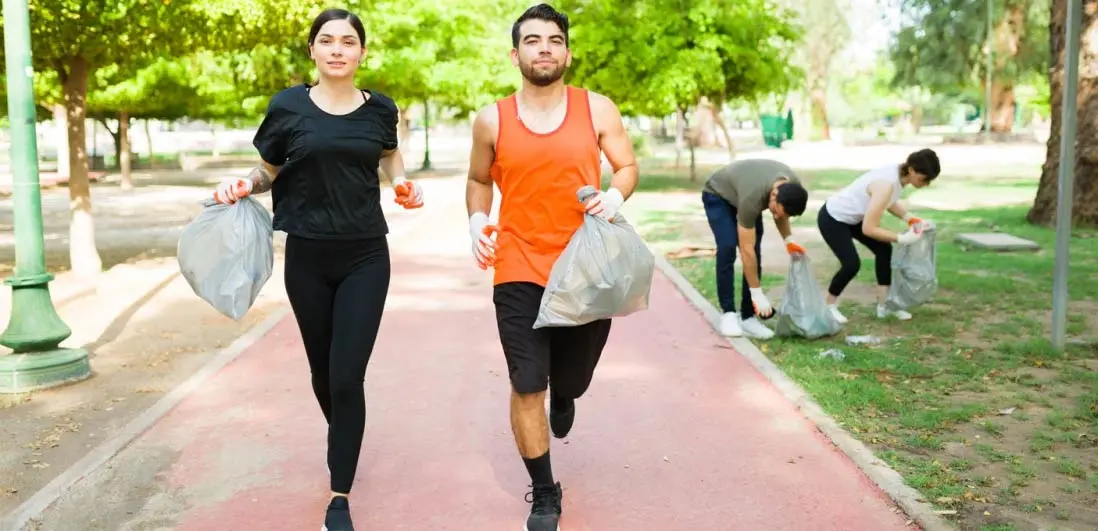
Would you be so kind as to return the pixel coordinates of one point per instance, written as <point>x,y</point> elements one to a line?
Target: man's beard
<point>541,78</point>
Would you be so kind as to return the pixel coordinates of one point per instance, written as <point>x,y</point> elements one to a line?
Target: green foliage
<point>452,53</point>
<point>161,90</point>
<point>652,63</point>
<point>941,43</point>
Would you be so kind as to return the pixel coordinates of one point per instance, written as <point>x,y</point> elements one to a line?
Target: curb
<point>887,479</point>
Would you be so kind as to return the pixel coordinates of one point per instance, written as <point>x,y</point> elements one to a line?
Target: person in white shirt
<point>854,213</point>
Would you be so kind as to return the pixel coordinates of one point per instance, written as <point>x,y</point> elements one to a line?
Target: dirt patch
<point>163,342</point>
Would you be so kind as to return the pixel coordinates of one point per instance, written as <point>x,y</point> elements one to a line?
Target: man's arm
<point>748,260</point>
<point>478,188</point>
<point>615,143</point>
<point>784,227</point>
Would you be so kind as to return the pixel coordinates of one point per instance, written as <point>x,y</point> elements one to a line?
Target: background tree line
<point>692,62</point>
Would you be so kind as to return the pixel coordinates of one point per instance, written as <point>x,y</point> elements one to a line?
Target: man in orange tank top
<point>540,146</point>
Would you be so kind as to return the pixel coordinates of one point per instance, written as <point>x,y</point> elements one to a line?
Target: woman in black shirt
<point>322,147</point>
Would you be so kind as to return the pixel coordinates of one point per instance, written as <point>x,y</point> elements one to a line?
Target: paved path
<point>678,432</point>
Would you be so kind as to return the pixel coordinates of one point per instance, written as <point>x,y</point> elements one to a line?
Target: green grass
<point>928,400</point>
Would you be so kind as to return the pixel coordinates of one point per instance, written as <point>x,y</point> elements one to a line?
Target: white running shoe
<point>883,312</point>
<point>834,310</point>
<point>730,325</point>
<point>755,329</point>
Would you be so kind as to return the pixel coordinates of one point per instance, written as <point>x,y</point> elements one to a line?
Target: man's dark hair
<point>540,12</point>
<point>924,161</point>
<point>793,198</point>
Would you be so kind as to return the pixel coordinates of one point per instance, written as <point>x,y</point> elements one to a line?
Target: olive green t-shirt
<point>746,185</point>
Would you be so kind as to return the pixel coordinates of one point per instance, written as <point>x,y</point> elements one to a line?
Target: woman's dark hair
<point>540,12</point>
<point>924,161</point>
<point>337,14</point>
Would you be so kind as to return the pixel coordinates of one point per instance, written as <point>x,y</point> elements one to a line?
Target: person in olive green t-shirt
<point>735,197</point>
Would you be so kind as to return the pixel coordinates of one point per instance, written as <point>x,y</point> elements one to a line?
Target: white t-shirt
<point>849,205</point>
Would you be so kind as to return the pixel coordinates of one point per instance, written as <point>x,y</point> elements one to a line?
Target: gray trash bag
<point>914,273</point>
<point>227,254</point>
<point>803,310</point>
<point>605,271</point>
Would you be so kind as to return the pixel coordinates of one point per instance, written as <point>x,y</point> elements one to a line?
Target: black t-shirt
<point>328,187</point>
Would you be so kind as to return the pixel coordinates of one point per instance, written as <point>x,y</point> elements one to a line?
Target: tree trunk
<point>680,136</point>
<point>426,136</point>
<point>704,123</point>
<point>83,256</point>
<point>1085,200</point>
<point>1007,38</point>
<point>724,129</point>
<point>818,97</point>
<point>690,135</point>
<point>124,150</point>
<point>61,122</point>
<point>1002,106</point>
<point>149,144</point>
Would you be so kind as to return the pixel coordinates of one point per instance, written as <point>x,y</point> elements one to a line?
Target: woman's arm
<point>392,165</point>
<point>880,193</point>
<point>263,176</point>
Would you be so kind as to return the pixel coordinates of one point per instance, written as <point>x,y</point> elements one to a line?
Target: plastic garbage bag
<point>227,254</point>
<point>803,311</point>
<point>914,273</point>
<point>605,271</point>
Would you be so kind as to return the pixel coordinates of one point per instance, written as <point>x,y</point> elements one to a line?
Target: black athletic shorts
<point>564,357</point>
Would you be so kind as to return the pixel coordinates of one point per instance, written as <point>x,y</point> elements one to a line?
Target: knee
<point>346,387</point>
<point>526,400</point>
<point>571,389</point>
<point>850,267</point>
<point>528,384</point>
<point>726,252</point>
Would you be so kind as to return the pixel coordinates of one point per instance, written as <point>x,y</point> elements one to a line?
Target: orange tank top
<point>538,176</point>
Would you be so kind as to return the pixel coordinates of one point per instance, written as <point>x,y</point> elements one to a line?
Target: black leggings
<point>337,289</point>
<point>840,238</point>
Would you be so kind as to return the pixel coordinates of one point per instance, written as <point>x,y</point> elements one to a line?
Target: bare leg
<point>529,424</point>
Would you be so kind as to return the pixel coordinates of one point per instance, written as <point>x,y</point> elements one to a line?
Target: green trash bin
<point>773,130</point>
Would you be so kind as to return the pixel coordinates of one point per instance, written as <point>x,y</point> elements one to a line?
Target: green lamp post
<point>34,331</point>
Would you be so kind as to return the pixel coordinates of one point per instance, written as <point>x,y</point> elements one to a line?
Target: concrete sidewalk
<point>677,432</point>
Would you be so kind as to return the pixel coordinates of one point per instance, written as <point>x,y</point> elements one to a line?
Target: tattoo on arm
<point>261,180</point>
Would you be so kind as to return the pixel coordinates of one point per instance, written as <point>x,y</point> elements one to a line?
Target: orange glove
<point>793,247</point>
<point>408,194</point>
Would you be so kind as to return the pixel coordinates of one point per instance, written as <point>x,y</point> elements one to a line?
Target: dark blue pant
<point>722,220</point>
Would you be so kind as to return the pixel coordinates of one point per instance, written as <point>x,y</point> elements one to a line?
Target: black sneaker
<point>545,512</point>
<point>561,417</point>
<point>339,516</point>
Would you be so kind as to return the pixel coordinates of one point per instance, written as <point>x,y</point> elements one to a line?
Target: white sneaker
<point>755,329</point>
<point>834,310</point>
<point>883,312</point>
<point>730,325</point>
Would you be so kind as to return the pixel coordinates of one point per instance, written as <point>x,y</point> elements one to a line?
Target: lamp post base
<point>21,373</point>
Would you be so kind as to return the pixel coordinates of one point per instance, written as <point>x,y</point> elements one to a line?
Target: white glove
<point>908,237</point>
<point>761,303</point>
<point>605,204</point>
<point>232,190</point>
<point>484,247</point>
